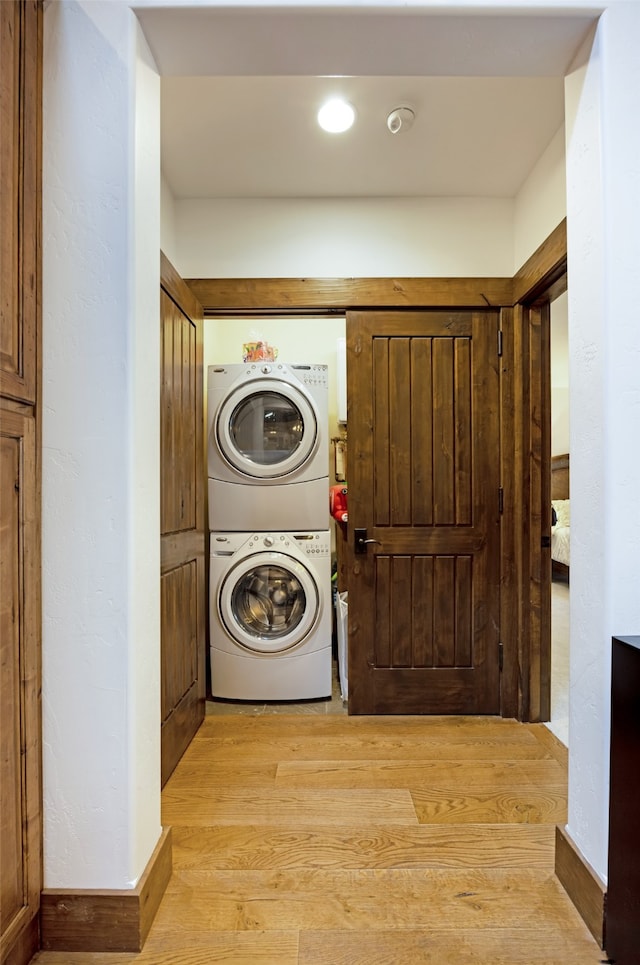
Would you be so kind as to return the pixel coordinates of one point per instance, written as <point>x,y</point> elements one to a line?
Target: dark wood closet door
<point>424,483</point>
<point>183,597</point>
<point>20,584</point>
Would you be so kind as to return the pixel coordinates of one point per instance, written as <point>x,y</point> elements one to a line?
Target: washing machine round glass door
<point>269,603</point>
<point>267,429</point>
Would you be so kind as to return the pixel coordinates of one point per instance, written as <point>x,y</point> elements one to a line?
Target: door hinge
<point>499,342</point>
<point>500,656</point>
<point>501,500</point>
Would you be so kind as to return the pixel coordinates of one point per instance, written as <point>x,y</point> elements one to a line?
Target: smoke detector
<point>400,120</point>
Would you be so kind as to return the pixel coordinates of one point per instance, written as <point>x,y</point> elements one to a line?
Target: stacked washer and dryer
<point>270,547</point>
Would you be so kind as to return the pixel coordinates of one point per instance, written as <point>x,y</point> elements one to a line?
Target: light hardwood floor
<point>335,840</point>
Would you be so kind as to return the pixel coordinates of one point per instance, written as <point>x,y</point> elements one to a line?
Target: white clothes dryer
<point>270,615</point>
<point>268,447</point>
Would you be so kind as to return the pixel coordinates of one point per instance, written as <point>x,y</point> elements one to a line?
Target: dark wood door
<point>183,596</point>
<point>424,442</point>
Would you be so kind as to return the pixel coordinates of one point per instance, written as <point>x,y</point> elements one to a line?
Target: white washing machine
<point>268,447</point>
<point>270,615</point>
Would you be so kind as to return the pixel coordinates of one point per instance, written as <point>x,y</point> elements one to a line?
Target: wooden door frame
<point>524,405</point>
<point>541,279</point>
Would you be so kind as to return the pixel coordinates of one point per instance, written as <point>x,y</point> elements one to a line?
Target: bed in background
<point>560,531</point>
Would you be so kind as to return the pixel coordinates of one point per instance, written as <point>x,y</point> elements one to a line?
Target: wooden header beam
<point>289,294</point>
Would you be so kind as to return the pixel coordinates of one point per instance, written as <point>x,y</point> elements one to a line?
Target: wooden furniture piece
<point>20,586</point>
<point>559,490</point>
<point>622,933</point>
<point>560,476</point>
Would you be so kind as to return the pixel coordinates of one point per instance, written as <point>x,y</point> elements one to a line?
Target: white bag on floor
<point>342,620</point>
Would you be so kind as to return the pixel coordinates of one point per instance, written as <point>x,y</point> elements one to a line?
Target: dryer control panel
<point>312,374</point>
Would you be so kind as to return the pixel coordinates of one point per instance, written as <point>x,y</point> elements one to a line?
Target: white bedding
<point>560,544</point>
<point>560,532</point>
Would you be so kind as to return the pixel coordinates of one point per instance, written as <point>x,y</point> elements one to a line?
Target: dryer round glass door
<point>267,429</point>
<point>269,603</point>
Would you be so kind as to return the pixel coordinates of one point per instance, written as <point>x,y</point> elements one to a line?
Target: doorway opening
<point>560,522</point>
<point>291,339</point>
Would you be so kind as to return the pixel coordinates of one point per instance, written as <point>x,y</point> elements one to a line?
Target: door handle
<point>360,540</point>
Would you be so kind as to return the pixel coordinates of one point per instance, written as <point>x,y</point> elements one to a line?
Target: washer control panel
<point>311,544</point>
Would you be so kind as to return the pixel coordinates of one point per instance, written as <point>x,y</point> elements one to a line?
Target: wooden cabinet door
<point>424,484</point>
<point>20,163</point>
<point>183,596</point>
<point>20,611</point>
<point>20,793</point>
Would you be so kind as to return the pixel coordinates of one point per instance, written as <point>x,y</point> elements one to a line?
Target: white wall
<point>340,238</point>
<point>541,202</point>
<point>168,234</point>
<point>360,237</point>
<point>100,448</point>
<point>603,208</point>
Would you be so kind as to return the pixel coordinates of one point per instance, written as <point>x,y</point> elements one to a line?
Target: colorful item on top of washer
<point>259,352</point>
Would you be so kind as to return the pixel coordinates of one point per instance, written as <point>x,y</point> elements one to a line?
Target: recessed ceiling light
<point>336,116</point>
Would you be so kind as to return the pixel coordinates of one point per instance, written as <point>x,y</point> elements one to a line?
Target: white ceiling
<point>241,89</point>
